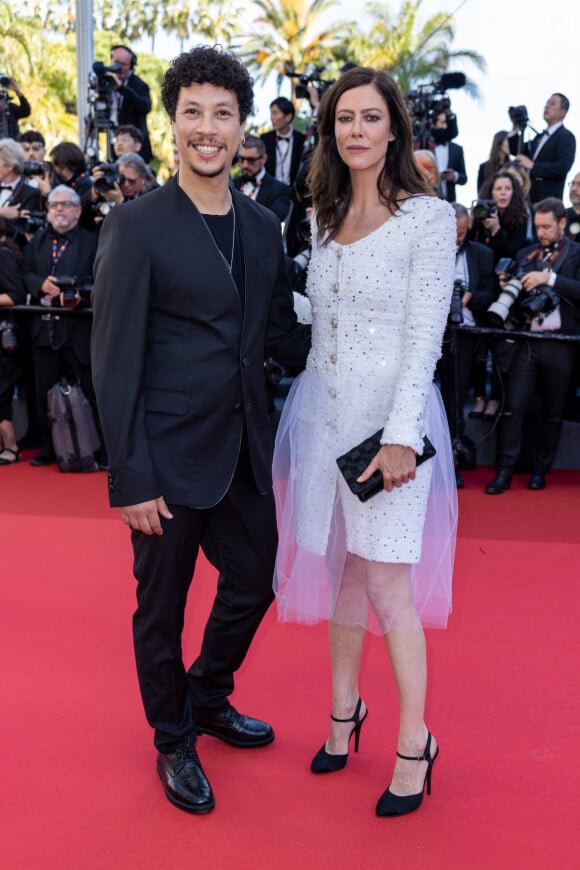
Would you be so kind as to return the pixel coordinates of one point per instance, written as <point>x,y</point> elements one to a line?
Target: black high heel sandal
<point>323,761</point>
<point>390,804</point>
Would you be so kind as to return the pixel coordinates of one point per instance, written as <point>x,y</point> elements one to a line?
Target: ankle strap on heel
<point>353,718</point>
<point>426,753</point>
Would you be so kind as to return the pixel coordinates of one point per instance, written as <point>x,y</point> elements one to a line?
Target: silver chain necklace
<point>219,250</point>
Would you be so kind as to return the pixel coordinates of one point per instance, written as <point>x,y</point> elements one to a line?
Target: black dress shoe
<point>537,480</point>
<point>184,782</point>
<point>235,728</point>
<point>501,482</point>
<point>45,457</point>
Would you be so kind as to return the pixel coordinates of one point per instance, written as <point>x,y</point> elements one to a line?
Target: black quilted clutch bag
<point>353,463</point>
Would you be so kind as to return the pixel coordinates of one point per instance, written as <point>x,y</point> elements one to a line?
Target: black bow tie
<point>6,187</point>
<point>280,138</point>
<point>251,179</point>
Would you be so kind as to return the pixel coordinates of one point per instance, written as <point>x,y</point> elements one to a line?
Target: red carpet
<point>78,782</point>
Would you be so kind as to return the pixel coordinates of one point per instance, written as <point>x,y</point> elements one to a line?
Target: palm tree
<point>14,39</point>
<point>287,37</point>
<point>413,54</point>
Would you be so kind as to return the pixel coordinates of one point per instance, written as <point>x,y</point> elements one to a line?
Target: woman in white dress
<point>379,283</point>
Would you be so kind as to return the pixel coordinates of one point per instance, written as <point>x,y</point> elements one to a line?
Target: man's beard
<point>210,173</point>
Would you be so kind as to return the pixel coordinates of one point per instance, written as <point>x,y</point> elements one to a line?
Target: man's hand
<point>448,175</point>
<point>144,517</point>
<point>524,161</point>
<point>531,280</point>
<point>49,287</point>
<point>395,462</point>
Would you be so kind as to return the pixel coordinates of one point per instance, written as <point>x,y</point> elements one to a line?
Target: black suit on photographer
<point>549,156</point>
<point>60,342</point>
<point>473,292</point>
<point>10,112</point>
<point>15,195</point>
<point>550,274</point>
<point>131,101</point>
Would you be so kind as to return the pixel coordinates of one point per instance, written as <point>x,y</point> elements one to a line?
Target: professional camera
<point>36,220</point>
<point>539,302</point>
<point>456,308</point>
<point>8,340</point>
<point>102,71</point>
<point>4,81</point>
<point>519,116</point>
<point>427,102</point>
<point>34,167</point>
<point>483,209</point>
<point>71,289</point>
<point>499,311</point>
<point>310,78</point>
<point>109,178</point>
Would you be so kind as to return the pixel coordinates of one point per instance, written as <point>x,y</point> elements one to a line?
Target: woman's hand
<point>396,463</point>
<point>492,224</point>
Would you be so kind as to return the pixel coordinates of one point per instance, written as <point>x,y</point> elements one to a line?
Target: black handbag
<point>354,461</point>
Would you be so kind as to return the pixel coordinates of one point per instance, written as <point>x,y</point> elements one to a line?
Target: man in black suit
<point>190,295</point>
<point>11,113</point>
<point>474,282</point>
<point>549,156</point>
<point>449,156</point>
<point>258,184</point>
<point>131,98</point>
<point>284,144</point>
<point>552,266</point>
<point>59,342</point>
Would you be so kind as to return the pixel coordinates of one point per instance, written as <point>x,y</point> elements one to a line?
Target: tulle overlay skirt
<point>320,520</point>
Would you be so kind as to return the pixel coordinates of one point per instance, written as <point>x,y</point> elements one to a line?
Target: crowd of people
<point>189,295</point>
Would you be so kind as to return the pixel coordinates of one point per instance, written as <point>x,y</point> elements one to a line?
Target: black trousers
<point>454,370</point>
<point>239,537</point>
<point>538,366</point>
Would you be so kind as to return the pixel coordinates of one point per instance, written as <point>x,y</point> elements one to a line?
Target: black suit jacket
<point>482,284</point>
<point>296,156</point>
<point>76,261</point>
<point>456,162</point>
<point>135,107</point>
<point>178,359</point>
<point>555,160</point>
<point>272,194</point>
<point>567,284</point>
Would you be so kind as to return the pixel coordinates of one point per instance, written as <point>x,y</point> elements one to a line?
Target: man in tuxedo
<point>190,296</point>
<point>549,156</point>
<point>540,364</point>
<point>258,184</point>
<point>17,198</point>
<point>474,281</point>
<point>449,156</point>
<point>284,144</point>
<point>131,98</point>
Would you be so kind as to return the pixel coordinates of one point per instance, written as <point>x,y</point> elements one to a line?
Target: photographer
<point>473,291</point>
<point>37,170</point>
<point>258,184</point>
<point>131,98</point>
<point>17,198</point>
<point>12,292</point>
<point>58,268</point>
<point>11,113</point>
<point>544,296</point>
<point>549,156</point>
<point>501,216</point>
<point>449,155</point>
<point>116,183</point>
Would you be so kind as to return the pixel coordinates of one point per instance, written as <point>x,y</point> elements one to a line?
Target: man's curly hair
<point>207,64</point>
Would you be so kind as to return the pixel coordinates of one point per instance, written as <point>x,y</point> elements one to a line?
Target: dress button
<point>339,253</point>
<point>334,322</point>
<point>333,357</point>
<point>336,288</point>
<point>332,393</point>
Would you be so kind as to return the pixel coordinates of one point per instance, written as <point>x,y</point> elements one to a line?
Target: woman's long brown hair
<point>329,176</point>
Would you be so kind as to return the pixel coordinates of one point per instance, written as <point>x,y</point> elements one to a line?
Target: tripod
<point>98,123</point>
